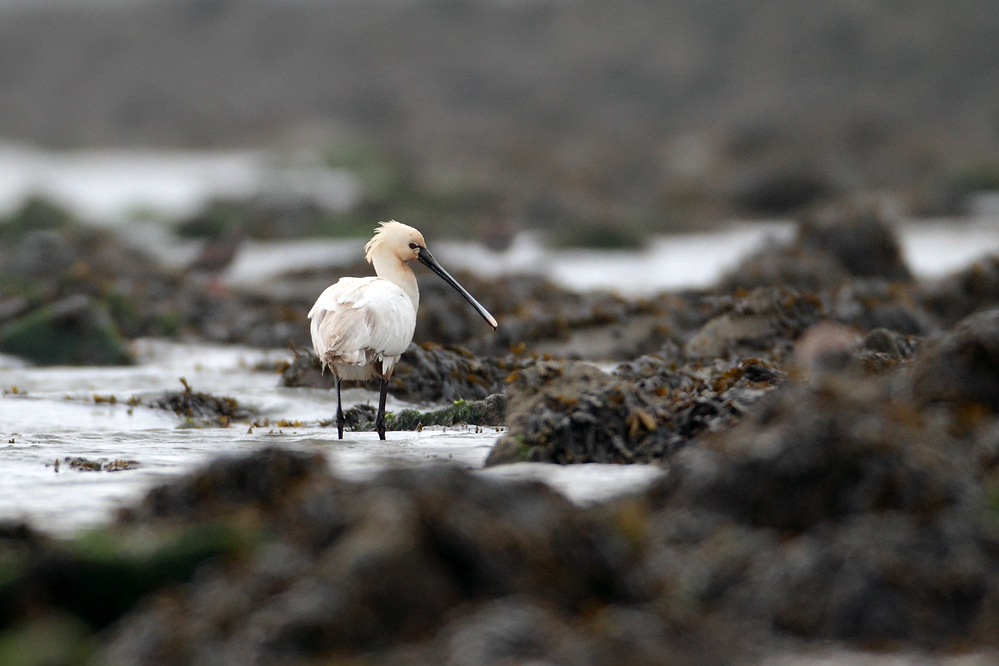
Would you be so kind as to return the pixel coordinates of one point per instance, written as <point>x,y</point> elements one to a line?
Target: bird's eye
<point>413,246</point>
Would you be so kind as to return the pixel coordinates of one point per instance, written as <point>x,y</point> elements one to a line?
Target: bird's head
<point>397,239</point>
<point>394,239</point>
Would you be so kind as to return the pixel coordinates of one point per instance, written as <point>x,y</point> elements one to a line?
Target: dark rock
<point>876,303</point>
<point>956,296</point>
<point>425,373</point>
<point>515,631</point>
<point>962,367</point>
<point>811,454</point>
<point>766,319</point>
<point>832,245</point>
<point>781,192</point>
<point>73,331</point>
<point>267,479</point>
<point>568,412</point>
<point>860,238</point>
<point>831,511</point>
<point>352,568</point>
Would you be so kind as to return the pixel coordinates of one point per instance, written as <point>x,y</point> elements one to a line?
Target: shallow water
<point>50,414</point>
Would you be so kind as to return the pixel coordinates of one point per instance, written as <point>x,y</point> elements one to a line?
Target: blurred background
<point>594,123</point>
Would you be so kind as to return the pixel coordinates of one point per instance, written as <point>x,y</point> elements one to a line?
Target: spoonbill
<point>361,326</point>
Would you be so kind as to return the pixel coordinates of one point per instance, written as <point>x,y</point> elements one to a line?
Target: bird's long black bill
<point>428,260</point>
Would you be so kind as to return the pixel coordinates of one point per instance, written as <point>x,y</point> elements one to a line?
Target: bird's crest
<point>383,231</point>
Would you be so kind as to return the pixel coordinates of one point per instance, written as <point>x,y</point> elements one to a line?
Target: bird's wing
<point>360,316</point>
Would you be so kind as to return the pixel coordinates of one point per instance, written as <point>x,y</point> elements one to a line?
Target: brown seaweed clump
<point>570,412</point>
<point>201,409</point>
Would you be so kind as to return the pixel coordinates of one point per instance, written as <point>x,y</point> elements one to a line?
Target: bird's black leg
<point>339,411</point>
<point>380,419</point>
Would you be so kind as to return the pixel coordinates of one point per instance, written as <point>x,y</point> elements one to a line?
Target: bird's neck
<point>398,272</point>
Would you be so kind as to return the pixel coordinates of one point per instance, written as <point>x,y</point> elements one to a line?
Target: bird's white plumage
<point>360,326</point>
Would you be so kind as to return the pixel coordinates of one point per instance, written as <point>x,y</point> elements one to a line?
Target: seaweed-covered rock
<point>861,238</point>
<point>488,412</point>
<point>811,454</point>
<point>513,630</point>
<point>267,480</point>
<point>875,577</point>
<point>568,412</point>
<point>884,350</point>
<point>877,303</point>
<point>830,511</point>
<point>962,367</point>
<point>766,319</point>
<point>352,568</point>
<point>831,246</point>
<point>71,295</point>
<point>831,347</point>
<point>432,373</point>
<point>425,373</point>
<point>75,330</point>
<point>491,412</point>
<point>958,295</point>
<point>41,254</point>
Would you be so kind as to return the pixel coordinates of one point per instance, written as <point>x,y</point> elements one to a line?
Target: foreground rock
<point>828,513</point>
<point>363,569</point>
<point>833,511</point>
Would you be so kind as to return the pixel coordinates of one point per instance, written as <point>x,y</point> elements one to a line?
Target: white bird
<point>361,326</point>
